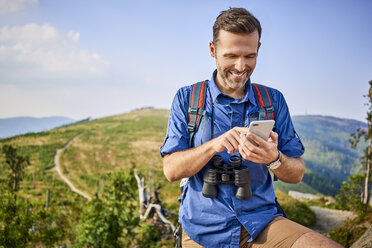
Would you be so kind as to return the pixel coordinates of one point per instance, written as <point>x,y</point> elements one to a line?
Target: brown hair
<point>236,20</point>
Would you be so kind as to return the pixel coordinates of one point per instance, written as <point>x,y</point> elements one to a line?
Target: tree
<point>23,224</point>
<point>350,192</point>
<point>17,164</point>
<point>15,216</point>
<point>109,220</point>
<point>366,157</point>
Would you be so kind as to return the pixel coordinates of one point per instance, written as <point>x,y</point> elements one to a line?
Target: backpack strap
<point>196,108</point>
<point>263,99</point>
<point>196,112</point>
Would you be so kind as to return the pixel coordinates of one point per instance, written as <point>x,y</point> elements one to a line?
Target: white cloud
<point>9,6</point>
<point>30,34</point>
<point>36,53</point>
<point>74,36</point>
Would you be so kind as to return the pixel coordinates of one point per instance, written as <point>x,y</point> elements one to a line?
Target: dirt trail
<point>58,169</point>
<point>327,219</point>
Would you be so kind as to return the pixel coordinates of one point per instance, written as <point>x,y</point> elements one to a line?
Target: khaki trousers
<point>280,232</point>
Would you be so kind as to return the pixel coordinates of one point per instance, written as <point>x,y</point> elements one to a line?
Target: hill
<point>20,125</point>
<point>132,140</point>
<point>105,145</point>
<point>328,156</point>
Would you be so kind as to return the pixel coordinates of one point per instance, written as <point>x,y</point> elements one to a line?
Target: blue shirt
<point>216,222</point>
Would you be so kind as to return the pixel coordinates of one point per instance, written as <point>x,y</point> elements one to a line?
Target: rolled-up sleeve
<point>288,141</point>
<point>177,137</point>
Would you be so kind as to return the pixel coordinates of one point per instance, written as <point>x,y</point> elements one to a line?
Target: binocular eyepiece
<point>227,174</point>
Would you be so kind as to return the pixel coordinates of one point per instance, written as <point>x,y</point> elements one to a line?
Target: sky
<point>80,58</point>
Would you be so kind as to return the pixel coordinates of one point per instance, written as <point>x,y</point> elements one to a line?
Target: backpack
<point>196,109</point>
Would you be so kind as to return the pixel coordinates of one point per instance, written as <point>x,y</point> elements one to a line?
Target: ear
<point>259,45</point>
<point>212,49</point>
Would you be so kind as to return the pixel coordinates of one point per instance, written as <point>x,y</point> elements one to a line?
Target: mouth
<point>238,75</point>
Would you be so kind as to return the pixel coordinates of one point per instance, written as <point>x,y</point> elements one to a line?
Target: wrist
<point>276,163</point>
<point>211,147</point>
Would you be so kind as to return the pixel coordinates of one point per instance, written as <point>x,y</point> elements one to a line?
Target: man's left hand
<point>258,150</point>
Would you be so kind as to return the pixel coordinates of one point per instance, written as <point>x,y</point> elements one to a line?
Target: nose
<point>240,64</point>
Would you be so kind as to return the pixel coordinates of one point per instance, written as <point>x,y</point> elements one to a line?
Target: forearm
<point>187,163</point>
<point>291,170</point>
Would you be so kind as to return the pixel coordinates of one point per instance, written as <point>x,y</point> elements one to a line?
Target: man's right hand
<point>188,162</point>
<point>229,140</point>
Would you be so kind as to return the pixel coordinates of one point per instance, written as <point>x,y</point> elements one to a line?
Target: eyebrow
<point>233,54</point>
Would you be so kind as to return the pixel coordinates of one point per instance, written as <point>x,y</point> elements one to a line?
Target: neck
<point>236,93</point>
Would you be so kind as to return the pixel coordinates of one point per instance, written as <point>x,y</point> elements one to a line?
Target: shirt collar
<point>215,91</point>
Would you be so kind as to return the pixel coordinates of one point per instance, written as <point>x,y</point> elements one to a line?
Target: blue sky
<point>98,58</point>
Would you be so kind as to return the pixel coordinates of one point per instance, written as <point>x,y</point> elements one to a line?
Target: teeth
<point>237,74</point>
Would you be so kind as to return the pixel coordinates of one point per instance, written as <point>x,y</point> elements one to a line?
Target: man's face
<point>236,56</point>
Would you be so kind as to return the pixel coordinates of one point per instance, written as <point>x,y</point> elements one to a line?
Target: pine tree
<point>17,164</point>
<point>15,216</point>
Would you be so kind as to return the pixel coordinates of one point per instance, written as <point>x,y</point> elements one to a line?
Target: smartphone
<point>261,128</point>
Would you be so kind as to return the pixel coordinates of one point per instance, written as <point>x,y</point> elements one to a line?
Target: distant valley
<point>328,156</point>
<point>20,125</point>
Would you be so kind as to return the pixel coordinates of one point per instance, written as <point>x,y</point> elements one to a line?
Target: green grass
<point>296,210</point>
<point>352,230</point>
<point>301,187</point>
<point>107,145</point>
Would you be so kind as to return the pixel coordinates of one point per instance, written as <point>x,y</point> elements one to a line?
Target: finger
<point>251,146</point>
<point>248,155</point>
<point>227,145</point>
<point>274,137</point>
<point>247,142</point>
<point>241,130</point>
<point>260,141</point>
<point>235,134</point>
<point>231,143</point>
<point>233,138</point>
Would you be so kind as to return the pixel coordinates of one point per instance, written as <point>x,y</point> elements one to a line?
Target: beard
<point>231,81</point>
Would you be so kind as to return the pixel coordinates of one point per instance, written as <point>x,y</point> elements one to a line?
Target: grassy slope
<point>134,139</point>
<point>119,142</point>
<point>41,148</point>
<point>105,145</point>
<point>109,144</point>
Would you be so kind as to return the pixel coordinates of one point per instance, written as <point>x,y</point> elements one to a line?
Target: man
<point>225,220</point>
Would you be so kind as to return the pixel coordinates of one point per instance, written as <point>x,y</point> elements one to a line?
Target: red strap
<point>269,101</point>
<point>201,101</point>
<point>260,100</point>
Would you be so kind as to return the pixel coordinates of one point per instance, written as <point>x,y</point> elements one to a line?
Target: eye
<point>230,56</point>
<point>251,56</point>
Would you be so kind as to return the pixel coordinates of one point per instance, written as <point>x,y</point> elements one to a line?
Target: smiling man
<point>224,219</point>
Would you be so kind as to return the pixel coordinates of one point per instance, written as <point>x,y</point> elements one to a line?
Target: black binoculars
<point>227,174</point>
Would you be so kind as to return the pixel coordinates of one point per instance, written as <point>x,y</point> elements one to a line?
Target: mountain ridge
<point>14,126</point>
